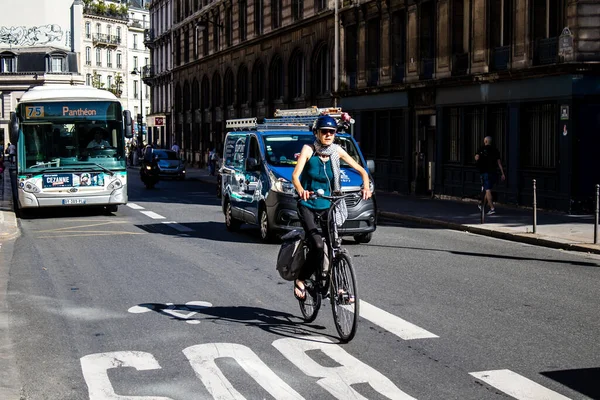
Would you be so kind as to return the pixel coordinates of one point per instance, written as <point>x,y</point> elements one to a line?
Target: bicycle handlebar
<point>321,193</point>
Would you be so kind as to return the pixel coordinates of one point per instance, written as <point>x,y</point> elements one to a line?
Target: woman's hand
<point>366,194</point>
<point>305,194</point>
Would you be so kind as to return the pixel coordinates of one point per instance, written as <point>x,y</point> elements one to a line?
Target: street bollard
<point>596,216</point>
<point>534,208</point>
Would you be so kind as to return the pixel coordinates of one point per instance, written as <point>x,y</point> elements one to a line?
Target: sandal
<point>301,289</point>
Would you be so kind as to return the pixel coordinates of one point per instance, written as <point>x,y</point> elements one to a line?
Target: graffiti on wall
<point>34,36</point>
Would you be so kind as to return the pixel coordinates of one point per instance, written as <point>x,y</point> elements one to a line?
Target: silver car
<point>169,164</point>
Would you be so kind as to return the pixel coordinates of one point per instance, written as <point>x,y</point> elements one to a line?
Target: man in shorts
<point>488,162</point>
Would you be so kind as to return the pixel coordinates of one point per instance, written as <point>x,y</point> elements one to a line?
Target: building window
<point>186,47</point>
<point>134,41</point>
<point>119,34</point>
<point>258,83</point>
<point>119,63</point>
<point>99,57</point>
<point>297,76</point>
<point>322,78</point>
<point>275,14</point>
<point>373,45</point>
<point>398,44</point>
<point>109,82</point>
<point>276,79</point>
<point>205,42</point>
<point>88,29</point>
<point>351,59</point>
<point>57,63</point>
<point>135,62</point>
<point>242,85</point>
<point>88,79</point>
<point>98,29</point>
<point>320,5</point>
<point>216,32</point>
<point>258,17</point>
<point>7,63</point>
<point>453,124</point>
<point>228,88</point>
<point>146,61</point>
<point>109,58</point>
<point>538,136</point>
<point>474,131</point>
<point>88,56</point>
<point>108,31</point>
<point>135,90</point>
<point>297,9</point>
<point>243,12</point>
<point>228,26</point>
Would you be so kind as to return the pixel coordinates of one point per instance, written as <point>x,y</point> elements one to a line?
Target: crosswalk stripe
<point>517,386</point>
<point>177,226</point>
<point>396,325</point>
<point>135,206</point>
<point>152,214</point>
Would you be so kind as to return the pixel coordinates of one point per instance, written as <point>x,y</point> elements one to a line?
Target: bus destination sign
<point>93,110</point>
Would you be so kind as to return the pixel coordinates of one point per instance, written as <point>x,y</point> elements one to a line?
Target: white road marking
<point>337,380</point>
<point>95,367</point>
<point>178,226</point>
<point>179,313</point>
<point>202,358</point>
<point>135,206</point>
<point>152,214</point>
<point>517,386</point>
<point>396,325</point>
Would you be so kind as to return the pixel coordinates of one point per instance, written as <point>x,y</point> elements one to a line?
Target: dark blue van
<point>256,178</point>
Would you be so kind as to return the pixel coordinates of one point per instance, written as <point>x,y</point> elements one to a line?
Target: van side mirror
<point>14,128</point>
<point>127,121</point>
<point>251,164</point>
<point>371,166</point>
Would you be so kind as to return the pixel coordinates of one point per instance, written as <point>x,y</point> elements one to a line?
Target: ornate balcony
<point>102,39</point>
<point>148,37</point>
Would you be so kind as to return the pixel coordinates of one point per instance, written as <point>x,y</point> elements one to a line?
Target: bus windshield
<point>72,136</point>
<point>283,150</point>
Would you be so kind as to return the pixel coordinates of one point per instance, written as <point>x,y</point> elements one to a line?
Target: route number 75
<point>34,112</point>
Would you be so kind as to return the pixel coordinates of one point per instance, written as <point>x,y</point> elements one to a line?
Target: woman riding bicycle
<point>318,167</point>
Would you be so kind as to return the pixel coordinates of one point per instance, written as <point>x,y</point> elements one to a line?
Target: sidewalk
<point>555,230</point>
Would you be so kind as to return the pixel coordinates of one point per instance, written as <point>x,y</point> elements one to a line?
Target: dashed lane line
<point>391,323</point>
<point>517,386</point>
<point>135,206</point>
<point>178,226</point>
<point>152,215</point>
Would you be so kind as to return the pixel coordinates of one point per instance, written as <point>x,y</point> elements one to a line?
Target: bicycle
<point>338,282</point>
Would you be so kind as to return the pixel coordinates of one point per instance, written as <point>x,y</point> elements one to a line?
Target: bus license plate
<point>73,201</point>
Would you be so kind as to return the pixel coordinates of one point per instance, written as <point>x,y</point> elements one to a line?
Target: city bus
<point>70,147</point>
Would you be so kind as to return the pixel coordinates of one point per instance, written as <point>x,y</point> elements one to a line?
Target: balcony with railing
<point>545,51</point>
<point>138,24</point>
<point>460,64</point>
<point>103,39</point>
<point>148,72</point>
<point>499,58</point>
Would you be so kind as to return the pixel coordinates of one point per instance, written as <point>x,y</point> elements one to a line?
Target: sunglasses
<point>327,132</point>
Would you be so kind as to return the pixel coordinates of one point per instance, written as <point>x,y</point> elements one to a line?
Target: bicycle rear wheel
<point>344,297</point>
<point>311,304</point>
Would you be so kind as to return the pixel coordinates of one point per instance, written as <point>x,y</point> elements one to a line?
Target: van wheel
<point>112,209</point>
<point>363,237</point>
<point>265,231</point>
<point>231,223</point>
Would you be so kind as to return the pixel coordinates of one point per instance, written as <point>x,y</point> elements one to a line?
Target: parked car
<point>169,164</point>
<point>255,180</point>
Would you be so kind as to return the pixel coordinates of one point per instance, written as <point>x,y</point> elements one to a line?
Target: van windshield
<point>284,150</point>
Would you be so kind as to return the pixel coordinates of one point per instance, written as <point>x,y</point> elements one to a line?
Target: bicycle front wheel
<point>311,304</point>
<point>344,297</point>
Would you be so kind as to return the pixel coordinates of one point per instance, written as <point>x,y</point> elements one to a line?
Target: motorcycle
<point>149,173</point>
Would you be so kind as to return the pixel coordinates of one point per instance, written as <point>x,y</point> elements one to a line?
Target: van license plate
<point>73,201</point>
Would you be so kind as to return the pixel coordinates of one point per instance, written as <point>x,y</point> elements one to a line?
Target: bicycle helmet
<point>326,122</point>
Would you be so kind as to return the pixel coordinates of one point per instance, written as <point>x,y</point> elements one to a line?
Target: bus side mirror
<point>14,128</point>
<point>128,124</point>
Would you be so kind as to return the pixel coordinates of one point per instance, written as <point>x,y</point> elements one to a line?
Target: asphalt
<point>553,229</point>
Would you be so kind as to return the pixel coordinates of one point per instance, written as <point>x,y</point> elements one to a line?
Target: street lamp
<point>140,116</point>
<point>203,24</point>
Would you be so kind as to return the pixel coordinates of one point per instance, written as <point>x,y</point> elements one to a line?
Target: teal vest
<point>317,175</point>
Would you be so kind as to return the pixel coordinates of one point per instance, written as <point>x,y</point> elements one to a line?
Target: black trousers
<point>312,232</point>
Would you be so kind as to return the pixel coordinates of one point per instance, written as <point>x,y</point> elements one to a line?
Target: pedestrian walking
<point>12,153</point>
<point>488,162</point>
<point>175,148</point>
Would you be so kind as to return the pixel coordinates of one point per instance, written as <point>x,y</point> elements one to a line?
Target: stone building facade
<point>425,80</point>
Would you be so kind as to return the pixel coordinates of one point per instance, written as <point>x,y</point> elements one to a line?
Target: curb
<point>521,238</point>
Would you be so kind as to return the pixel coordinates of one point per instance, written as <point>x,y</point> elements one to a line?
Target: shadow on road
<point>275,322</point>
<point>584,380</point>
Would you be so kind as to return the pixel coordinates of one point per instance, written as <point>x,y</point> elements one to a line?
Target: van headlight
<point>116,184</point>
<point>282,185</point>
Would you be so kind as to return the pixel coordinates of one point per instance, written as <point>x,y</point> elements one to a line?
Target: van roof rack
<point>302,118</point>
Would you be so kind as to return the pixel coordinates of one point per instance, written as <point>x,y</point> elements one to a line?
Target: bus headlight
<point>30,188</point>
<point>116,184</point>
